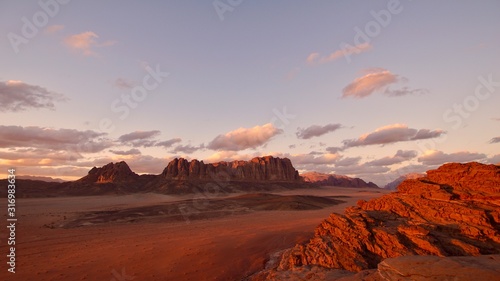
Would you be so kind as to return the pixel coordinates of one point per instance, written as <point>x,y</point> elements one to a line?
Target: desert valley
<point>237,140</point>
<point>258,220</point>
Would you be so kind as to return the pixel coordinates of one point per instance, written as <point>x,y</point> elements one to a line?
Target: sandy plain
<point>165,237</point>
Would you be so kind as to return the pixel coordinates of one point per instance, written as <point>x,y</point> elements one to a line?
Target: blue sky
<point>370,89</point>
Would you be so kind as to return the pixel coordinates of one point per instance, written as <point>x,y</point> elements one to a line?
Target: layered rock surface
<point>453,211</point>
<point>405,268</point>
<point>335,180</point>
<point>266,168</point>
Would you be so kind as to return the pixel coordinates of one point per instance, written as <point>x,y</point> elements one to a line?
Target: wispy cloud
<point>140,138</point>
<point>132,151</point>
<point>390,134</point>
<point>168,143</point>
<point>316,130</point>
<point>228,156</point>
<point>301,160</point>
<point>188,149</point>
<point>244,138</point>
<point>399,157</point>
<point>38,157</point>
<point>292,74</point>
<point>51,29</point>
<point>312,158</point>
<point>347,161</point>
<point>86,42</point>
<point>123,84</point>
<point>360,169</point>
<point>18,96</point>
<point>495,159</point>
<point>495,140</point>
<point>316,58</point>
<point>378,80</point>
<point>146,139</point>
<point>435,157</point>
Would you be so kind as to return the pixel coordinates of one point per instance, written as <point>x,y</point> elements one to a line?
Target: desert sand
<point>55,242</point>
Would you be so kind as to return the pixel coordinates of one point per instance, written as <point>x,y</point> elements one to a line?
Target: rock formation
<point>335,180</point>
<point>453,211</point>
<point>405,268</point>
<point>180,176</point>
<point>411,268</point>
<point>265,168</point>
<point>110,173</point>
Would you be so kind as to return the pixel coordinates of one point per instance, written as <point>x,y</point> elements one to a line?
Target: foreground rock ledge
<point>453,211</point>
<point>407,268</point>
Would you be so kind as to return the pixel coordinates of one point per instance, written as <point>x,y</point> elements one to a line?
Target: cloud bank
<point>16,96</point>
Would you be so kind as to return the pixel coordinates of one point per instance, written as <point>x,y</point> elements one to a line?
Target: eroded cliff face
<point>265,168</point>
<point>453,211</point>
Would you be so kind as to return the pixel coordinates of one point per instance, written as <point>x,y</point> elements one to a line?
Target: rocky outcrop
<point>453,211</point>
<point>415,268</point>
<point>405,268</point>
<point>335,180</point>
<point>266,168</point>
<point>111,173</point>
<point>393,184</point>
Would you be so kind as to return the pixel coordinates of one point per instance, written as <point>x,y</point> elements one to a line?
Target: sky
<point>371,89</point>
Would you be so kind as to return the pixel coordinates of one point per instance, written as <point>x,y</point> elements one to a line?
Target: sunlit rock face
<point>453,211</point>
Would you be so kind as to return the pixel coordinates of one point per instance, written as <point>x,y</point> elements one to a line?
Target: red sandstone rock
<point>454,211</point>
<point>265,168</point>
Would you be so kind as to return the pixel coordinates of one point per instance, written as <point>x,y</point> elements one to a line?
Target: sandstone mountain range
<point>183,176</point>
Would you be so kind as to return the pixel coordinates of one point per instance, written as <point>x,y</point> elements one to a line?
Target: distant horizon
<point>189,160</point>
<point>372,90</point>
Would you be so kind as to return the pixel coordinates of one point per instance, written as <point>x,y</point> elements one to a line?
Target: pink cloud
<point>316,58</point>
<point>51,29</point>
<point>85,42</point>
<point>435,157</point>
<point>244,138</point>
<point>369,83</point>
<point>378,80</point>
<point>391,134</point>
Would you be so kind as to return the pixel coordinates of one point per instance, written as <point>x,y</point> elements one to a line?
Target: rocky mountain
<point>453,211</point>
<point>335,180</point>
<point>265,168</point>
<point>110,173</point>
<point>180,176</point>
<point>393,184</point>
